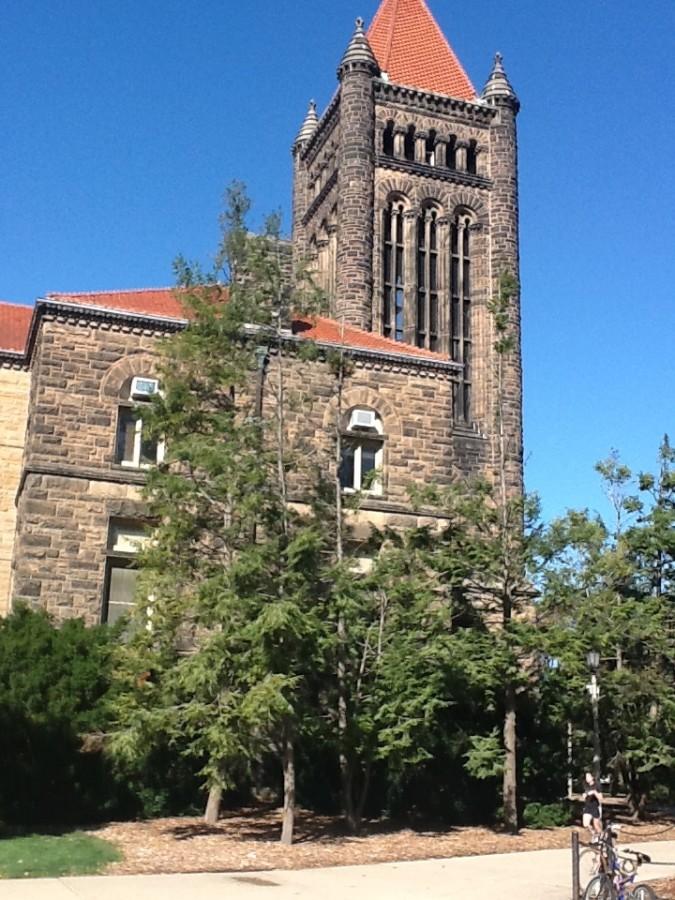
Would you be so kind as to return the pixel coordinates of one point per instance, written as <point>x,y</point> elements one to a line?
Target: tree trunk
<point>288,820</point>
<point>213,804</point>
<point>510,784</point>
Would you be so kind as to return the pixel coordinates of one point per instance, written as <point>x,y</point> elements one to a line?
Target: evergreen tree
<point>228,624</point>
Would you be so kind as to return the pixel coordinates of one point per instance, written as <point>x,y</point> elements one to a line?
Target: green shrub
<point>545,815</point>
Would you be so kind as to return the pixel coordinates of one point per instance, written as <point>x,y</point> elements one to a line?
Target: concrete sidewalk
<point>544,874</point>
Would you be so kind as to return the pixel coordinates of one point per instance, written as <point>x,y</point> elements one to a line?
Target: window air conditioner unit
<point>364,418</point>
<point>144,388</point>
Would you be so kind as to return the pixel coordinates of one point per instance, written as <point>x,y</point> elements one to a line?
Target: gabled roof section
<point>329,331</point>
<point>413,51</point>
<point>14,327</point>
<point>164,303</point>
<point>160,303</point>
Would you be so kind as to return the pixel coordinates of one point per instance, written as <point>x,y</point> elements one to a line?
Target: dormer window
<point>362,452</point>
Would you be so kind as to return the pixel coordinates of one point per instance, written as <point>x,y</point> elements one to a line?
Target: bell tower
<point>406,205</point>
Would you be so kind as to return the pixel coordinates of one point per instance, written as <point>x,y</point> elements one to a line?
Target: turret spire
<point>498,85</point>
<point>309,125</point>
<point>359,53</point>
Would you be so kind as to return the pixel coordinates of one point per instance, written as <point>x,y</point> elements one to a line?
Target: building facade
<point>405,207</point>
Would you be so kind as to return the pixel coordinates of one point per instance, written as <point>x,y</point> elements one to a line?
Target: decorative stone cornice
<point>436,172</point>
<point>17,361</point>
<point>475,113</point>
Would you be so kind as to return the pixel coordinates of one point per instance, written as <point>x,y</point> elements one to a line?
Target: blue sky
<point>123,121</point>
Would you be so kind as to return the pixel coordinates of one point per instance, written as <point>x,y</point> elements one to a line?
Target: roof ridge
<point>447,43</point>
<point>146,290</point>
<point>17,304</point>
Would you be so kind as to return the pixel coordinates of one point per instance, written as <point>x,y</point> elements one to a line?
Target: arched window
<point>388,139</point>
<point>460,312</point>
<point>426,332</point>
<point>430,149</point>
<point>409,144</point>
<point>451,152</point>
<point>135,449</point>
<point>471,156</point>
<point>362,452</point>
<point>394,272</point>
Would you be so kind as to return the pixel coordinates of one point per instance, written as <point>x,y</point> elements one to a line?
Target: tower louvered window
<point>426,333</point>
<point>460,313</point>
<point>394,272</point>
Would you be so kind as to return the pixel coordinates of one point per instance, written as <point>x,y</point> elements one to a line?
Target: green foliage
<point>53,856</point>
<point>546,815</point>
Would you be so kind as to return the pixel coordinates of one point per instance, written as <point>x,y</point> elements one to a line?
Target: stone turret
<point>499,94</point>
<point>356,167</point>
<point>300,186</point>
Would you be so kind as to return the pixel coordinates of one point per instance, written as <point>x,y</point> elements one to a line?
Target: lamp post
<point>593,660</point>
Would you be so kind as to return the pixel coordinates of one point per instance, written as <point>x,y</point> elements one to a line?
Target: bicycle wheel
<point>643,892</point>
<point>589,865</point>
<point>600,888</point>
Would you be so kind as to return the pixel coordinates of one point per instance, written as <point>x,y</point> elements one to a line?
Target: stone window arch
<point>394,266</point>
<point>362,454</point>
<point>135,448</point>
<point>461,337</point>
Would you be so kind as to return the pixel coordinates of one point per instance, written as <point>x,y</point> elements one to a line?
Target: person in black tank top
<point>592,813</point>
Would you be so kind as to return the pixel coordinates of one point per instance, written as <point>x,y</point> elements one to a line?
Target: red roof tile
<point>328,331</point>
<point>163,302</point>
<point>14,326</point>
<point>413,51</point>
<point>160,302</point>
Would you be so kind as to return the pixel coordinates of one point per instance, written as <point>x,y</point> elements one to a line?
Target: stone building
<point>405,206</point>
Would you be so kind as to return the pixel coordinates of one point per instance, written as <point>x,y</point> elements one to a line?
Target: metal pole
<point>570,761</point>
<point>576,885</point>
<point>595,695</point>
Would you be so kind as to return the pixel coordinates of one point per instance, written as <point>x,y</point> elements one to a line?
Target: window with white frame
<point>362,452</point>
<point>135,448</point>
<point>125,540</point>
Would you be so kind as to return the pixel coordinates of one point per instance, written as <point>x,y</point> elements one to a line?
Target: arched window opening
<point>451,152</point>
<point>426,332</point>
<point>135,447</point>
<point>460,313</point>
<point>362,452</point>
<point>430,149</point>
<point>471,156</point>
<point>388,139</point>
<point>394,272</point>
<point>409,144</point>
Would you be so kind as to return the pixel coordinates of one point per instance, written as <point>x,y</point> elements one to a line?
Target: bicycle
<point>613,873</point>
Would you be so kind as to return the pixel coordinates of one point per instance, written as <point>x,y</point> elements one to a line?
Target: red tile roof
<point>164,303</point>
<point>156,302</point>
<point>413,51</point>
<point>14,326</point>
<point>329,331</point>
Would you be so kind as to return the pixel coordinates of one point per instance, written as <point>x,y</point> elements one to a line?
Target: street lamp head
<point>593,659</point>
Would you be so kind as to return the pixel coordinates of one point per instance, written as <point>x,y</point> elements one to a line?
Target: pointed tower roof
<point>413,51</point>
<point>498,85</point>
<point>308,126</point>
<point>359,51</point>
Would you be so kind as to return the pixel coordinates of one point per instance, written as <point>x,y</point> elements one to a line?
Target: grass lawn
<point>48,856</point>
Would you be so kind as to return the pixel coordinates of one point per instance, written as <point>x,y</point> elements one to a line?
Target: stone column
<point>399,141</point>
<point>420,146</point>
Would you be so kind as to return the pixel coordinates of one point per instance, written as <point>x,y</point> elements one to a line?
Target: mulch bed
<point>248,840</point>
